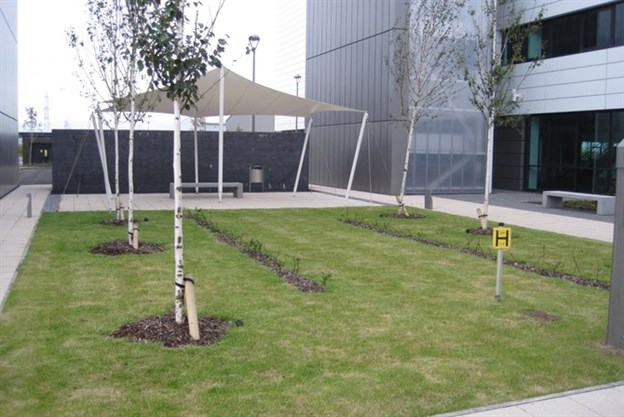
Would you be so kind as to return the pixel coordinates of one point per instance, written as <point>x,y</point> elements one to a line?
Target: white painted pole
<point>357,154</point>
<point>303,152</point>
<point>196,154</point>
<point>221,110</point>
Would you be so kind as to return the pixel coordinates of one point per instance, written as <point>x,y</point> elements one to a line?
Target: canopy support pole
<point>303,152</point>
<point>99,140</point>
<point>221,111</point>
<point>196,157</point>
<point>357,155</point>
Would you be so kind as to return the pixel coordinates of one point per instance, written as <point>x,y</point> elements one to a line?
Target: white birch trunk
<point>131,228</point>
<point>178,213</point>
<point>118,208</point>
<point>178,242</point>
<point>489,160</point>
<point>489,152</point>
<point>401,196</point>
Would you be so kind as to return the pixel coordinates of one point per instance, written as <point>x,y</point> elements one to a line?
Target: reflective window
<point>619,24</point>
<point>573,151</point>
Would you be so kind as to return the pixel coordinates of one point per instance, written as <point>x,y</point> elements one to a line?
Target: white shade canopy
<point>242,97</point>
<point>223,92</point>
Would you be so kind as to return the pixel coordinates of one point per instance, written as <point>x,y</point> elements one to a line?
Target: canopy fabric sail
<point>224,92</point>
<point>242,97</point>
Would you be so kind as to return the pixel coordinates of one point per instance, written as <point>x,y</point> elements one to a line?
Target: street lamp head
<point>253,42</point>
<point>297,77</point>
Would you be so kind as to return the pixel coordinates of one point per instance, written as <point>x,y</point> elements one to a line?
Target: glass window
<point>597,29</point>
<point>619,24</point>
<point>590,30</point>
<point>565,36</point>
<point>534,44</point>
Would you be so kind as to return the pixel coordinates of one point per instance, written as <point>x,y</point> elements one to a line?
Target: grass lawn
<point>402,328</point>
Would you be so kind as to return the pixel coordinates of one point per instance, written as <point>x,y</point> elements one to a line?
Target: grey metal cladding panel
<point>8,71</point>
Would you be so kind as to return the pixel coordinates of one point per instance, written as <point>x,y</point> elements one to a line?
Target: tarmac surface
<point>511,208</point>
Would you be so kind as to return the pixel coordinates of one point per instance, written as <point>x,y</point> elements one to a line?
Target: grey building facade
<point>9,164</point>
<point>348,54</point>
<point>572,104</point>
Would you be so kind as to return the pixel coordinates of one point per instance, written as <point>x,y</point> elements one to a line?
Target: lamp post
<point>251,47</point>
<point>297,78</point>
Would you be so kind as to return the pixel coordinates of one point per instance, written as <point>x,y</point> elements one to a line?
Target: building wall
<point>75,153</point>
<point>347,46</point>
<point>349,50</point>
<point>9,164</point>
<point>584,85</point>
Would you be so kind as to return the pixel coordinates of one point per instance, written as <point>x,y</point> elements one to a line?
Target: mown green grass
<point>402,329</point>
<point>585,258</point>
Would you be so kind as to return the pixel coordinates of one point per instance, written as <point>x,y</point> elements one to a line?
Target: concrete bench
<point>605,207</point>
<point>237,187</point>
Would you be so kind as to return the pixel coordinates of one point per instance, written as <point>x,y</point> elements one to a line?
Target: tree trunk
<point>489,153</point>
<point>178,243</point>
<point>401,196</point>
<point>489,157</point>
<point>118,208</point>
<point>131,237</point>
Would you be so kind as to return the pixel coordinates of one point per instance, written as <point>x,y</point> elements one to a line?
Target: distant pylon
<point>46,114</point>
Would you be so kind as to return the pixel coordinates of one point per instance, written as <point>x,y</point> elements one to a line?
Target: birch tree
<point>176,61</point>
<point>100,71</point>
<point>489,69</point>
<point>425,66</point>
<point>31,123</point>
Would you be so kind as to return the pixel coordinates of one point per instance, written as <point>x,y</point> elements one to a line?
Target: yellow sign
<point>501,237</point>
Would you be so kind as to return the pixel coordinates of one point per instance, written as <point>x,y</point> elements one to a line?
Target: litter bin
<point>256,175</point>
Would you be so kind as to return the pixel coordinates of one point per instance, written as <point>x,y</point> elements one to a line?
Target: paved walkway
<point>16,229</point>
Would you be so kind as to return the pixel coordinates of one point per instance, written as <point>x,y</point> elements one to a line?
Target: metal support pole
<point>499,275</point>
<point>303,152</point>
<point>29,206</point>
<point>253,78</point>
<point>615,323</point>
<point>357,154</point>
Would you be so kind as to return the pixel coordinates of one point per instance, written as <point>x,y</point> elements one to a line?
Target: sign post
<point>501,240</point>
<point>615,323</point>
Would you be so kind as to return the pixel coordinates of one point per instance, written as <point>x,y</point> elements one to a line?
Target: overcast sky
<point>47,65</point>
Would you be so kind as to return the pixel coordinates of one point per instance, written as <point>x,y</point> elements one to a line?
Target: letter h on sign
<point>501,238</point>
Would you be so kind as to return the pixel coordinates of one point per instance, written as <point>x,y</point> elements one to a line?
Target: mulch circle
<point>540,316</point>
<point>118,247</point>
<point>165,330</point>
<point>113,222</point>
<point>402,216</point>
<point>479,231</point>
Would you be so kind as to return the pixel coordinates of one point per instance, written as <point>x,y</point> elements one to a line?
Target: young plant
<point>489,68</point>
<point>425,66</point>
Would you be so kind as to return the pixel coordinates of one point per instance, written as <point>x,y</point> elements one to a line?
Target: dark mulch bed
<point>585,282</point>
<point>301,283</point>
<point>540,316</point>
<point>165,330</point>
<point>402,216</point>
<point>480,232</point>
<point>113,222</point>
<point>118,247</point>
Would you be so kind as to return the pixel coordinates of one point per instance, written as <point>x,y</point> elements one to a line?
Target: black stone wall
<point>277,152</point>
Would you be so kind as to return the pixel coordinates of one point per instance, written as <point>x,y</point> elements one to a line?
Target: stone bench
<point>606,203</point>
<point>237,187</point>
